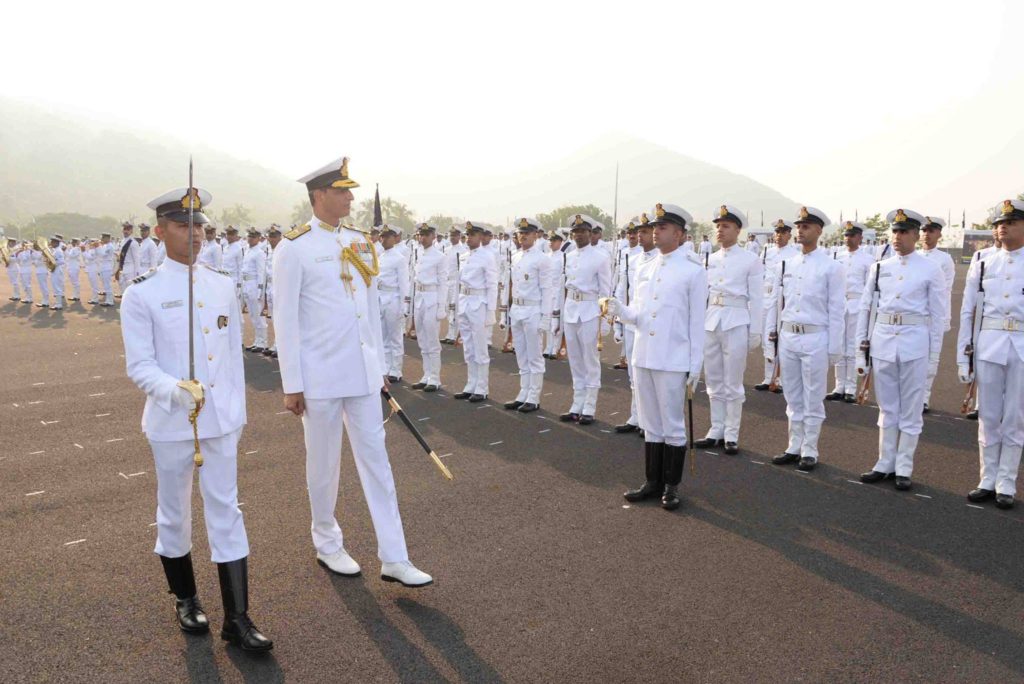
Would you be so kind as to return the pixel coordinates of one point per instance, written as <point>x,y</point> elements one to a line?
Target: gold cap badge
<point>659,211</point>
<point>900,217</point>
<point>723,212</point>
<point>193,195</point>
<point>1007,207</point>
<point>780,224</point>
<point>643,219</point>
<point>344,168</point>
<point>804,213</point>
<point>849,224</point>
<point>578,221</point>
<point>523,223</point>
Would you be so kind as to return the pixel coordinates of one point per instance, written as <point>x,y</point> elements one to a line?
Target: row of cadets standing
<point>812,300</point>
<point>903,337</point>
<point>393,291</point>
<point>587,278</point>
<point>772,257</point>
<point>732,327</point>
<point>430,289</point>
<point>857,261</point>
<point>531,292</point>
<point>477,302</point>
<point>668,350</point>
<point>992,325</point>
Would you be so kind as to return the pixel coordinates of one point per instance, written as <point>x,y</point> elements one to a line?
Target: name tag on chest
<point>172,305</point>
<point>328,257</point>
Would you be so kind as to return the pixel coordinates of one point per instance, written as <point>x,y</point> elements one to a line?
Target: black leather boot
<point>652,488</point>
<point>675,456</point>
<point>234,591</point>
<point>182,582</point>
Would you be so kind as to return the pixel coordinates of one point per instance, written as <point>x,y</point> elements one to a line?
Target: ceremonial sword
<point>397,410</point>
<point>192,386</point>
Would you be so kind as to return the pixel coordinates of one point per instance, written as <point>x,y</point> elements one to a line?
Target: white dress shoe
<point>339,563</point>
<point>405,573</point>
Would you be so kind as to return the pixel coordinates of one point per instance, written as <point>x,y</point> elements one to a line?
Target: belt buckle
<point>896,319</point>
<point>717,300</point>
<point>798,328</point>
<point>1009,325</point>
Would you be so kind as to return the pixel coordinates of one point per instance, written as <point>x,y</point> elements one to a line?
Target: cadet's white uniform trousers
<point>930,378</point>
<point>105,277</point>
<point>323,424</point>
<point>475,337</point>
<point>661,396</point>
<point>899,388</point>
<point>526,340</point>
<point>427,330</point>
<point>768,351</point>
<point>1001,422</point>
<point>392,326</point>
<point>57,285</point>
<point>218,482</point>
<point>44,288</point>
<point>628,338</point>
<point>76,285</point>
<point>804,373</point>
<point>846,370</point>
<point>585,365</point>
<point>554,342</point>
<point>15,278</point>
<point>94,282</point>
<point>725,361</point>
<point>26,284</point>
<point>254,301</point>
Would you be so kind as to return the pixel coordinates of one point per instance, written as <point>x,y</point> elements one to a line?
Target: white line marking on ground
<point>252,452</point>
<point>33,403</point>
<point>608,431</point>
<point>78,446</point>
<point>41,491</point>
<point>98,394</point>
<point>97,377</point>
<point>496,443</point>
<point>711,453</point>
<point>444,455</point>
<point>123,475</point>
<point>141,472</point>
<point>152,524</point>
<point>277,372</point>
<point>547,394</point>
<point>483,407</point>
<point>543,431</point>
<point>923,496</point>
<point>801,472</point>
<point>16,406</point>
<point>980,508</point>
<point>37,384</point>
<point>72,543</point>
<point>49,422</point>
<point>420,420</point>
<point>116,439</point>
<point>102,415</point>
<point>266,391</point>
<point>757,462</point>
<point>626,506</point>
<point>613,414</point>
<point>37,452</point>
<point>281,413</point>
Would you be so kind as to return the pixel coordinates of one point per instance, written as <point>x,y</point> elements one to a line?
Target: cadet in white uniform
<point>147,249</point>
<point>857,261</point>
<point>588,277</point>
<point>810,335</point>
<point>72,266</point>
<point>273,239</point>
<point>11,265</point>
<point>127,257</point>
<point>532,291</point>
<point>331,357</point>
<point>57,274</point>
<point>995,283</point>
<point>554,329</point>
<point>478,297</point>
<point>393,290</point>
<point>253,275</point>
<point>155,328</point>
<point>772,257</point>
<point>732,327</point>
<point>668,351</point>
<point>211,254</point>
<point>105,265</point>
<point>705,249</point>
<point>455,251</point>
<point>931,233</point>
<point>233,255</point>
<point>431,306</point>
<point>902,338</point>
<point>42,276</point>
<point>89,252</point>
<point>625,292</point>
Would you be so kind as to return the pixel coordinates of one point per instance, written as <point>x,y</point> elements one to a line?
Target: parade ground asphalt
<point>542,572</point>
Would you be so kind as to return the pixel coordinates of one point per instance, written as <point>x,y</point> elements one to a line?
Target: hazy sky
<point>839,105</point>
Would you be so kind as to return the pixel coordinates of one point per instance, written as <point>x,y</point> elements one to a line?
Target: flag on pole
<point>378,219</point>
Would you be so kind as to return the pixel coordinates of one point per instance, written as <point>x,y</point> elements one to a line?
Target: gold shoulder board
<point>139,279</point>
<point>296,232</point>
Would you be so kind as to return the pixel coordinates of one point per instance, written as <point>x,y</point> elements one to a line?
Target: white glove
<point>442,313</point>
<point>833,359</point>
<point>692,380</point>
<point>182,398</point>
<point>964,373</point>
<point>753,341</point>
<point>617,335</point>
<point>933,365</point>
<point>613,306</point>
<point>489,317</point>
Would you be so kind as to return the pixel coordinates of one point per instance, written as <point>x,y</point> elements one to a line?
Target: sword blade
<point>191,265</point>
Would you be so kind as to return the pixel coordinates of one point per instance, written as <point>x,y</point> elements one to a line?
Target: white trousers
<point>661,396</point>
<point>846,370</point>
<point>475,336</point>
<point>1000,422</point>
<point>218,483</point>
<point>899,388</point>
<point>44,287</point>
<point>585,365</point>
<point>254,302</point>
<point>57,285</point>
<point>76,285</point>
<point>15,279</point>
<point>26,285</point>
<point>725,362</point>
<point>108,290</point>
<point>427,331</point>
<point>628,339</point>
<point>804,360</point>
<point>768,351</point>
<point>930,379</point>
<point>392,326</point>
<point>94,282</point>
<point>529,357</point>
<point>553,341</point>
<point>323,425</point>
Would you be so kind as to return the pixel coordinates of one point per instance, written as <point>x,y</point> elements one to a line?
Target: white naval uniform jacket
<point>857,265</point>
<point>130,249</point>
<point>394,275</point>
<point>735,274</point>
<point>211,254</point>
<point>105,257</point>
<point>431,270</point>
<point>588,271</point>
<point>532,283</point>
<point>771,261</point>
<point>628,268</point>
<point>73,258</point>
<point>1004,299</point>
<point>328,329</point>
<point>479,273</point>
<point>948,268</point>
<point>814,292</point>
<point>234,257</point>
<point>252,270</point>
<point>154,325</point>
<point>668,312</point>
<point>147,254</point>
<point>910,285</point>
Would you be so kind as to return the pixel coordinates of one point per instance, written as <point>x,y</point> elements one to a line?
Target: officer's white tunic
<point>211,254</point>
<point>948,268</point>
<point>625,292</point>
<point>771,257</point>
<point>735,303</point>
<point>105,255</point>
<point>814,292</point>
<point>532,294</point>
<point>392,290</point>
<point>233,255</point>
<point>555,333</point>
<point>907,332</point>
<point>42,277</point>
<point>857,263</point>
<point>252,274</point>
<point>147,254</point>
<point>128,262</point>
<point>57,276</point>
<point>431,290</point>
<point>26,267</point>
<point>330,349</point>
<point>92,272</point>
<point>73,266</point>
<point>154,326</point>
<point>999,364</point>
<point>668,315</point>
<point>14,275</point>
<point>478,295</point>
<point>588,278</point>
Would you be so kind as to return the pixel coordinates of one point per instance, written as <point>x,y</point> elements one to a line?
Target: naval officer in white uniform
<point>931,233</point>
<point>475,312</point>
<point>155,328</point>
<point>430,274</point>
<point>327,313</point>
<point>857,261</point>
<point>392,289</point>
<point>771,259</point>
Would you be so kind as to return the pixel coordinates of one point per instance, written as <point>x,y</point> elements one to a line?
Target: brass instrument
<point>5,255</point>
<point>44,246</point>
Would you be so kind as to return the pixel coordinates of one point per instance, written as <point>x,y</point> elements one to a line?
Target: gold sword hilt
<point>195,388</point>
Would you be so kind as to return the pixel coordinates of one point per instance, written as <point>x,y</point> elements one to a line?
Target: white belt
<point>719,299</point>
<point>519,301</point>
<point>426,288</point>
<point>901,319</point>
<point>387,288</point>
<point>801,328</point>
<point>473,291</point>
<point>1007,324</point>
<point>577,296</point>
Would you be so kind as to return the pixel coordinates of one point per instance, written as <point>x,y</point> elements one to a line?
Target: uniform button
<point>212,385</point>
<point>1005,296</point>
<point>901,277</point>
<point>897,296</point>
<point>210,357</point>
<point>654,315</point>
<point>206,331</point>
<point>655,296</point>
<point>199,304</point>
<point>652,333</point>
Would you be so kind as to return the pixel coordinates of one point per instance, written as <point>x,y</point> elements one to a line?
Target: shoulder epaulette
<point>216,270</point>
<point>139,279</point>
<point>297,232</point>
<point>357,229</point>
